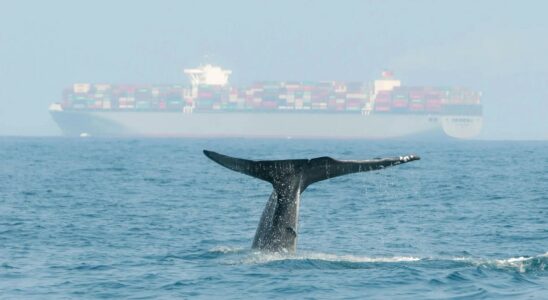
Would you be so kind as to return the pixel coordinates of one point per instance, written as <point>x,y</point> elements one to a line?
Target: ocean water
<point>154,218</point>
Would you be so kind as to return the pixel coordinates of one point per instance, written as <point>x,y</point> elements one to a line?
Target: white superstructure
<point>386,83</point>
<point>208,75</point>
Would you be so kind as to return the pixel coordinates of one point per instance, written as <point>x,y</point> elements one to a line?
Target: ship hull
<point>265,124</point>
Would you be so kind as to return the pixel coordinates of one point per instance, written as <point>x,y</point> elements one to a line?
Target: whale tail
<point>277,230</point>
<point>308,171</point>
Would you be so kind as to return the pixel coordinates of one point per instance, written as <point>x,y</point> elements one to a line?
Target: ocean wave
<point>522,264</point>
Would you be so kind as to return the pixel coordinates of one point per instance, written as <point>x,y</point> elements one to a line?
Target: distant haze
<point>497,47</point>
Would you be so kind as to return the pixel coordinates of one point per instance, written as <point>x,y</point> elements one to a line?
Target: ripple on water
<point>135,218</point>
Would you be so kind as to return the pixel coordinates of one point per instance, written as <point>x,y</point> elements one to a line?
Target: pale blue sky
<point>498,47</point>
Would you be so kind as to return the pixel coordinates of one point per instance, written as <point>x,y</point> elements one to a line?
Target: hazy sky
<point>497,47</point>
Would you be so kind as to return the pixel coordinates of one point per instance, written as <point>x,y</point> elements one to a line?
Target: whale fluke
<point>317,169</point>
<point>277,230</point>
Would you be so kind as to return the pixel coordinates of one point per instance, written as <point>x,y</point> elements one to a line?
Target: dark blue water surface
<point>154,218</point>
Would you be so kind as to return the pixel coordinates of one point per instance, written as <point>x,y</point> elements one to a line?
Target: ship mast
<point>387,83</point>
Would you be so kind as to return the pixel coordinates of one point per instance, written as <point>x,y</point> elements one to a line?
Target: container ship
<point>210,107</point>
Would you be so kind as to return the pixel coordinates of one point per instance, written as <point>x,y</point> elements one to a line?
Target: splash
<point>522,264</point>
<point>263,258</point>
<point>226,250</point>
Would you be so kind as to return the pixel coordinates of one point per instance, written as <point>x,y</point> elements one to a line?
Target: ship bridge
<point>208,75</point>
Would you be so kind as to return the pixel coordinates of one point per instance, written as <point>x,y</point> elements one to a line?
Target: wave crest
<point>226,250</point>
<point>524,264</point>
<point>262,258</point>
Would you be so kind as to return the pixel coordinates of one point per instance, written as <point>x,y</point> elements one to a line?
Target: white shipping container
<point>340,89</point>
<point>356,96</point>
<point>319,105</point>
<point>102,87</point>
<point>81,88</point>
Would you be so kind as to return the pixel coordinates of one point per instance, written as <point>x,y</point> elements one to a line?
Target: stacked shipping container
<point>429,100</point>
<point>326,96</point>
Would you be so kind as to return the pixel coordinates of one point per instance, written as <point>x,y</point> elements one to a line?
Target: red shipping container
<point>269,104</point>
<point>399,103</point>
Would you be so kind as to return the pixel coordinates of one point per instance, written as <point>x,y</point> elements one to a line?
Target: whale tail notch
<point>272,171</point>
<point>309,170</point>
